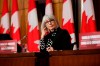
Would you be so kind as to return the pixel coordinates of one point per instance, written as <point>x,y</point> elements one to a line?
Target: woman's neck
<point>52,30</point>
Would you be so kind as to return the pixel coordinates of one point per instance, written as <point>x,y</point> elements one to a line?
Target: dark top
<point>59,39</point>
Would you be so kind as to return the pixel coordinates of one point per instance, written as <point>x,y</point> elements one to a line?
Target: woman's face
<point>51,24</point>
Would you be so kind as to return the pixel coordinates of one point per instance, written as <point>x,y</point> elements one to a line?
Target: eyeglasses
<point>49,21</point>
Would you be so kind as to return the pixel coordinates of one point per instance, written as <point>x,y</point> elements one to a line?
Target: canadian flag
<point>87,17</point>
<point>15,26</point>
<point>67,19</point>
<point>4,27</point>
<point>48,8</point>
<point>33,29</point>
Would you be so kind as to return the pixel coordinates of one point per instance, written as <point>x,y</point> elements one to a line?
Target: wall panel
<point>57,7</point>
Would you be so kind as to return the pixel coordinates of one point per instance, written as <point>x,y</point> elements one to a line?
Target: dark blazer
<point>59,39</point>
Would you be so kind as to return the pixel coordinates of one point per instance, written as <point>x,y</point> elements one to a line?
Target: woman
<point>52,36</point>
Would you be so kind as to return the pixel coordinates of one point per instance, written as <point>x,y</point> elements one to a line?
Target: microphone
<point>19,42</point>
<point>23,37</point>
<point>21,47</point>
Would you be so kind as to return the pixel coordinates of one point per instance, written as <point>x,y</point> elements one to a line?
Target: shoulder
<point>64,31</point>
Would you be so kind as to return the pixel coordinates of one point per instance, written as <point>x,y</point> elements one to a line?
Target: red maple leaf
<point>84,28</point>
<point>16,35</point>
<point>1,29</point>
<point>69,26</point>
<point>91,25</point>
<point>32,37</point>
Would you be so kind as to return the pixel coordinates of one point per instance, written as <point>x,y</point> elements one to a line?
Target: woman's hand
<point>44,31</point>
<point>49,49</point>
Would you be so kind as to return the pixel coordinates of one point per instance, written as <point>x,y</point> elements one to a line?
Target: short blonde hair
<point>47,18</point>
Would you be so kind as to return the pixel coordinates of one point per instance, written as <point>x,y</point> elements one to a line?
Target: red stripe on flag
<point>5,7</point>
<point>4,28</point>
<point>48,1</point>
<point>14,6</point>
<point>31,5</point>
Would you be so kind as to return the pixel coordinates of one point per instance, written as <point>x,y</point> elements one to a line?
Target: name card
<point>89,40</point>
<point>8,46</point>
